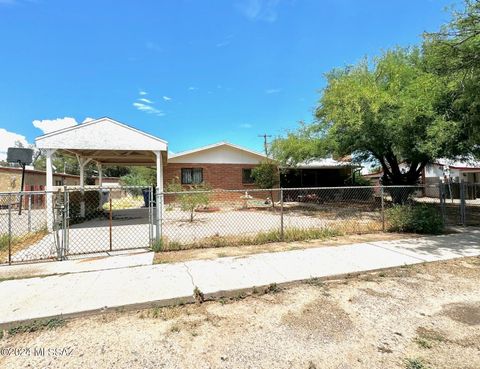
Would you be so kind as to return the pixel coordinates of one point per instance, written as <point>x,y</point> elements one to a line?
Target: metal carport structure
<point>104,141</point>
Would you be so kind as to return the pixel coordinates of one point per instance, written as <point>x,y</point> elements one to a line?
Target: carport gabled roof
<point>103,134</point>
<point>105,140</point>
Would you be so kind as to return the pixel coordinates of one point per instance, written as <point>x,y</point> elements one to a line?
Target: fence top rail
<point>25,193</point>
<point>93,187</point>
<point>276,189</point>
<point>123,188</point>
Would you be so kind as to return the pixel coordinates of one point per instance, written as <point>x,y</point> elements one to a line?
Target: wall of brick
<point>217,176</point>
<point>11,180</point>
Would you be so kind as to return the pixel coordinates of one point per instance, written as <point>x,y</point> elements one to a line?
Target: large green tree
<point>387,111</point>
<point>453,54</point>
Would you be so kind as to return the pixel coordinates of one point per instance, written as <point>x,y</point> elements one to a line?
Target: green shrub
<point>191,197</point>
<point>91,199</point>
<point>158,246</point>
<point>414,218</point>
<point>4,240</point>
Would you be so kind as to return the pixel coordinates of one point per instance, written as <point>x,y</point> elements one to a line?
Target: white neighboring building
<point>467,171</point>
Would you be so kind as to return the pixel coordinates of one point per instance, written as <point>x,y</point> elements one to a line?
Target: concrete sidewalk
<point>163,284</point>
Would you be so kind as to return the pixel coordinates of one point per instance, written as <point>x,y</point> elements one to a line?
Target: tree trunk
<point>399,184</point>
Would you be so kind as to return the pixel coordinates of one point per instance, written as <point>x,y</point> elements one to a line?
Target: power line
<point>265,143</point>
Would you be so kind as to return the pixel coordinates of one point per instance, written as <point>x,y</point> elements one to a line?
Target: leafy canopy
<point>408,105</point>
<point>385,110</point>
<point>453,54</point>
<point>266,175</point>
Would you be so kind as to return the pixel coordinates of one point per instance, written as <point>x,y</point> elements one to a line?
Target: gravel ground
<point>428,314</point>
<point>131,228</point>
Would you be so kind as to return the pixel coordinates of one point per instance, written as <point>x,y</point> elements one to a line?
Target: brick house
<point>11,179</point>
<point>221,165</point>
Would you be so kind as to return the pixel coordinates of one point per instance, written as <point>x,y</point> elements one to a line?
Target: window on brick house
<point>247,176</point>
<point>192,175</point>
<point>58,182</point>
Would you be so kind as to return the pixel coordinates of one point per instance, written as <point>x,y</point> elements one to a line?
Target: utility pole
<point>265,143</point>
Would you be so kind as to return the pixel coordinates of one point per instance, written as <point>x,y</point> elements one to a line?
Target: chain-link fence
<point>24,224</point>
<point>81,221</point>
<point>472,205</point>
<point>193,219</point>
<point>95,219</point>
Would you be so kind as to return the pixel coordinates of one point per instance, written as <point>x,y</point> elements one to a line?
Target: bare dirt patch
<point>321,317</point>
<point>418,314</point>
<point>466,313</point>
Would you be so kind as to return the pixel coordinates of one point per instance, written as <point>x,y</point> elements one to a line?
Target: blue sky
<point>207,70</point>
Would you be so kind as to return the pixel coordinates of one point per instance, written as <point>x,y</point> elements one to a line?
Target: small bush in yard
<point>198,295</point>
<point>414,218</point>
<point>415,364</point>
<point>158,245</point>
<point>37,325</point>
<point>4,240</point>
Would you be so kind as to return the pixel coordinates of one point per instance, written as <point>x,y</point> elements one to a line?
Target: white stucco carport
<point>103,141</point>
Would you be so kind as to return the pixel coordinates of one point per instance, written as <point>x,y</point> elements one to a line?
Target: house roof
<point>35,171</point>
<point>325,163</point>
<point>467,164</point>
<point>218,153</point>
<point>105,140</point>
<point>213,146</point>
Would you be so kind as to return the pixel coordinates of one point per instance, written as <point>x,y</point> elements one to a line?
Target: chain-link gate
<point>81,222</point>
<point>472,204</point>
<point>108,219</point>
<point>460,203</point>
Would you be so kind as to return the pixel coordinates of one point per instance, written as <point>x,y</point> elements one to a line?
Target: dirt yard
<point>425,316</point>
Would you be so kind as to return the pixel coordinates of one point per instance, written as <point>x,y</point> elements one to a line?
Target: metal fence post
<point>159,203</point>
<point>29,214</point>
<point>9,233</point>
<point>65,218</point>
<point>462,204</point>
<point>382,202</point>
<point>282,237</point>
<point>441,195</point>
<point>150,216</point>
<point>110,218</point>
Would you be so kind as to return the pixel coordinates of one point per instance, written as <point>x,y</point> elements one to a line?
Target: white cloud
<point>273,91</point>
<point>88,119</point>
<point>50,125</point>
<point>259,10</point>
<point>148,109</point>
<point>147,105</point>
<point>8,139</point>
<point>167,98</point>
<point>192,88</point>
<point>246,125</point>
